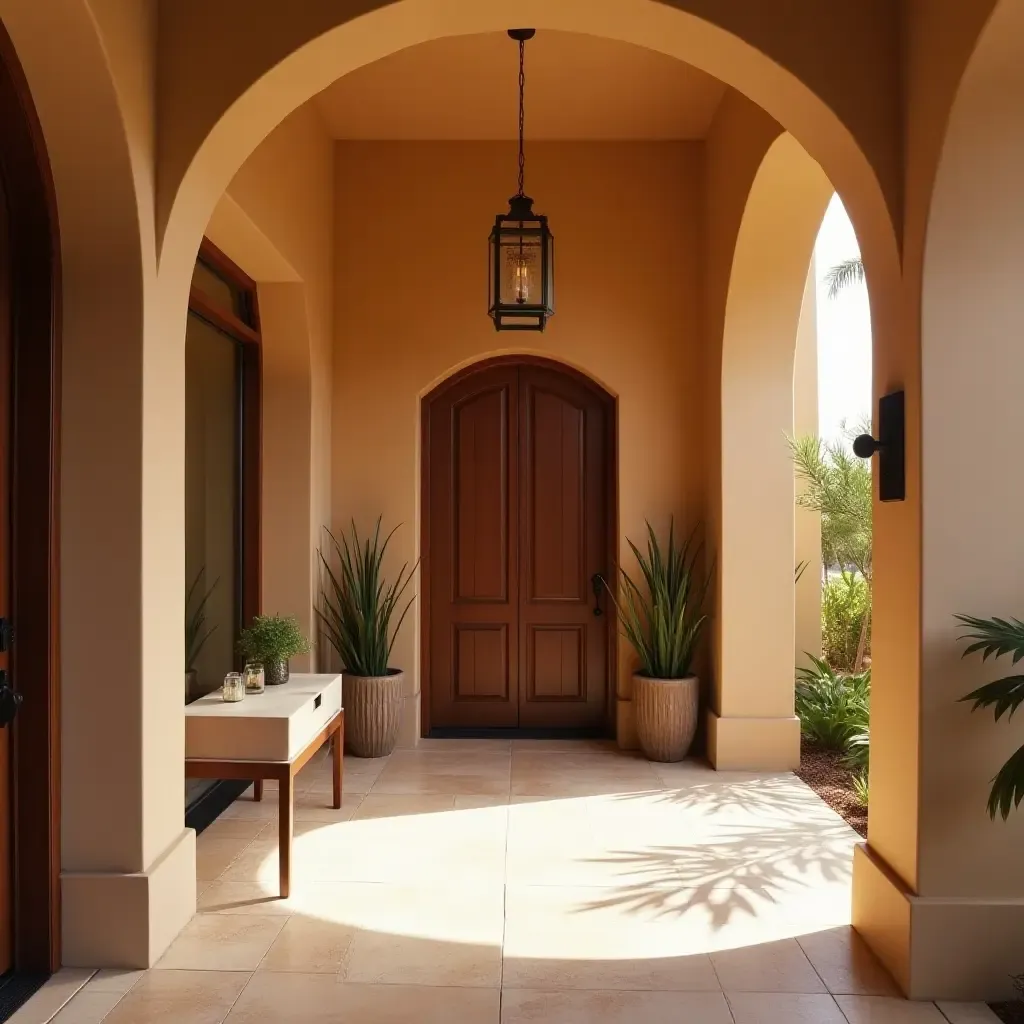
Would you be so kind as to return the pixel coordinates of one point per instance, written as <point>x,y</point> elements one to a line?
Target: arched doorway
<point>518,534</point>
<point>29,345</point>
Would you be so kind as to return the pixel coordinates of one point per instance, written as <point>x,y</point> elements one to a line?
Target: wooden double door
<point>517,538</point>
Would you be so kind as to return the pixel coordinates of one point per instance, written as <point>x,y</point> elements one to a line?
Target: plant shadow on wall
<point>196,630</point>
<point>833,692</point>
<point>663,622</point>
<point>361,614</point>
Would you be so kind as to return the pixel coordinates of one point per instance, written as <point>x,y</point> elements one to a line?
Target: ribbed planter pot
<point>666,716</point>
<point>373,713</point>
<point>276,671</point>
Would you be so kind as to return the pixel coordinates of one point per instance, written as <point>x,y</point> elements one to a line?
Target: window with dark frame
<point>222,472</point>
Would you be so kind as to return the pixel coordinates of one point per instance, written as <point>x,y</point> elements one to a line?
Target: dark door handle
<point>597,583</point>
<point>10,701</point>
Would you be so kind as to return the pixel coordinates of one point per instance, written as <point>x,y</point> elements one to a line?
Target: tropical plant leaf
<point>1007,787</point>
<point>1004,695</point>
<point>196,632</point>
<point>833,707</point>
<point>844,275</point>
<point>993,637</point>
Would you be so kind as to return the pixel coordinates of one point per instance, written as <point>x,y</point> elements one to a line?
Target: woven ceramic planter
<point>373,713</point>
<point>666,716</point>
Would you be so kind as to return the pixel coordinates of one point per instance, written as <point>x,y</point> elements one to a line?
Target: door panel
<point>473,552</point>
<point>564,497</point>
<point>517,525</point>
<point>6,805</point>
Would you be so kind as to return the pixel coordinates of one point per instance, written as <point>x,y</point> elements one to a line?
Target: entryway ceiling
<point>577,87</point>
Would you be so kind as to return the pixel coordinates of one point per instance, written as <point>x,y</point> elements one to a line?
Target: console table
<point>268,735</point>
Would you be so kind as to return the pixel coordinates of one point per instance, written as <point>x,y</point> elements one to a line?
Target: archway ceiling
<point>578,87</point>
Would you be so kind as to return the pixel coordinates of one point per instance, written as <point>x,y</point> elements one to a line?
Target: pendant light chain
<point>522,90</point>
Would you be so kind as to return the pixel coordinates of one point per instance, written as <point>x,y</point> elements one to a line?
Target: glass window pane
<point>212,412</point>
<point>221,294</point>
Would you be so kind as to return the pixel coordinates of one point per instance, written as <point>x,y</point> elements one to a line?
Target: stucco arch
<point>972,422</point>
<point>752,711</point>
<point>209,135</point>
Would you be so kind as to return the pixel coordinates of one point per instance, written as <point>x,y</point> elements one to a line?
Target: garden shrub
<point>833,706</point>
<point>845,601</point>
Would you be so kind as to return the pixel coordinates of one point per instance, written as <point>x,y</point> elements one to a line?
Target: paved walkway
<point>483,881</point>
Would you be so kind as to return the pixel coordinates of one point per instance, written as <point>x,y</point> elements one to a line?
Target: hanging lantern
<point>522,272</point>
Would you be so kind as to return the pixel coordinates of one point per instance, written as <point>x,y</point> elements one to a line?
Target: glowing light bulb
<point>521,280</point>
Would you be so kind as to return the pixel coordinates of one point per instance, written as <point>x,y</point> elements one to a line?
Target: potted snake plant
<point>663,621</point>
<point>273,640</point>
<point>361,615</point>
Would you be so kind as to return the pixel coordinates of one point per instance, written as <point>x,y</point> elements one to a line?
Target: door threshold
<point>469,733</point>
<point>16,988</point>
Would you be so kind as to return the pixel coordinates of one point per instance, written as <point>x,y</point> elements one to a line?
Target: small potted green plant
<point>663,625</point>
<point>196,632</point>
<point>361,616</point>
<point>273,640</point>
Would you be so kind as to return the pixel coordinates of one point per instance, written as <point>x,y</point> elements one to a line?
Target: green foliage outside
<point>845,620</point>
<point>832,706</point>
<point>663,619</point>
<point>844,275</point>
<point>272,638</point>
<point>837,485</point>
<point>359,610</point>
<point>994,638</point>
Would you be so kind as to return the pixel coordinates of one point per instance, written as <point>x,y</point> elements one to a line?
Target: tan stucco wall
<point>412,222</point>
<point>276,222</point>
<point>807,522</point>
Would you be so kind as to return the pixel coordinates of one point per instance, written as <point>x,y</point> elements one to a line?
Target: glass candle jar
<point>234,688</point>
<point>254,677</point>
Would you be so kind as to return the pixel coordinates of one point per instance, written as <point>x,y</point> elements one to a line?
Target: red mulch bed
<point>824,772</point>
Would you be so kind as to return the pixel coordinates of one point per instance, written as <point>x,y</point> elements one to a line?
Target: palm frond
<point>1007,787</point>
<point>844,275</point>
<point>993,637</point>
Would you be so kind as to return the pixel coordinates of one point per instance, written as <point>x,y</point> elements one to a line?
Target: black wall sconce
<point>889,445</point>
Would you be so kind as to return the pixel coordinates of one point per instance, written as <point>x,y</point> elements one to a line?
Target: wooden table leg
<point>338,753</point>
<point>257,790</point>
<point>286,796</point>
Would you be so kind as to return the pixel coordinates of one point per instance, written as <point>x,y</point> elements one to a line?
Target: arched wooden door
<point>518,523</point>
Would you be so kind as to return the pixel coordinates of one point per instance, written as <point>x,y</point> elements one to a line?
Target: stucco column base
<point>625,725</point>
<point>948,947</point>
<point>753,744</point>
<point>128,920</point>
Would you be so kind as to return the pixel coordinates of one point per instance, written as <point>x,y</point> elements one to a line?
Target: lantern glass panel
<point>520,264</point>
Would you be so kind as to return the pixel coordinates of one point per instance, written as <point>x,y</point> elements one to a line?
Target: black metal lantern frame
<point>522,248</point>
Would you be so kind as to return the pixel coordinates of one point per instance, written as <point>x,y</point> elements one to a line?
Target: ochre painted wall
<point>412,223</point>
<point>276,222</point>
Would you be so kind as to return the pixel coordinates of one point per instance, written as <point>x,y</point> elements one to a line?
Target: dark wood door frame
<point>35,437</point>
<point>613,517</point>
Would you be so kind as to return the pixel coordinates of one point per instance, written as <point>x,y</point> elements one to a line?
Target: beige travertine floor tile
<point>846,964</point>
<point>88,1007</point>
<point>377,805</point>
<point>431,744</point>
<point>526,1007</point>
<point>784,1008</point>
<point>609,747</point>
<point>887,1010</point>
<point>766,967</point>
<point>561,938</point>
<point>232,828</point>
<point>442,783</point>
<point>243,897</point>
<point>310,945</point>
<point>179,997</point>
<point>114,979</point>
<point>323,999</point>
<point>222,942</point>
<point>968,1013</point>
<point>213,856</point>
